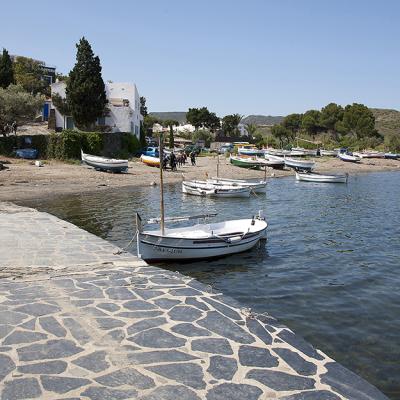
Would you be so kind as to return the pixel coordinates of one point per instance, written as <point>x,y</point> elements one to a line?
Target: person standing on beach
<point>14,127</point>
<point>193,158</point>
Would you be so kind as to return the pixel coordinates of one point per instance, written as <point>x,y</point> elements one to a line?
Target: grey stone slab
<point>95,362</point>
<point>77,331</point>
<point>298,363</point>
<point>12,317</point>
<point>234,391</point>
<point>82,303</point>
<point>95,293</point>
<point>139,305</point>
<point>228,301</point>
<point>251,356</point>
<point>95,312</point>
<point>109,323</point>
<point>160,356</point>
<point>313,395</point>
<point>190,330</point>
<point>225,327</point>
<point>258,330</point>
<point>30,325</point>
<point>103,393</point>
<point>24,388</point>
<point>222,367</point>
<point>189,374</point>
<point>47,367</point>
<point>157,338</point>
<point>38,309</point>
<point>112,307</point>
<point>126,376</point>
<point>192,301</point>
<point>52,349</point>
<point>51,325</point>
<point>212,345</point>
<point>119,293</point>
<point>65,283</point>
<point>139,314</point>
<point>185,292</point>
<point>18,337</point>
<point>147,294</point>
<point>4,349</point>
<point>166,304</point>
<point>145,324</point>
<point>117,334</point>
<point>7,365</point>
<point>299,343</point>
<point>223,309</point>
<point>280,381</point>
<point>184,313</point>
<point>5,330</point>
<point>171,392</point>
<point>62,384</point>
<point>348,384</point>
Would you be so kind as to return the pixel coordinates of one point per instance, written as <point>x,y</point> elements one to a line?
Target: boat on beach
<point>28,154</point>
<point>348,157</point>
<point>323,178</point>
<point>256,187</point>
<point>207,189</point>
<point>299,164</point>
<point>369,154</point>
<point>105,164</point>
<point>275,162</point>
<point>245,162</point>
<point>250,151</point>
<point>150,160</point>
<point>328,153</point>
<point>392,156</point>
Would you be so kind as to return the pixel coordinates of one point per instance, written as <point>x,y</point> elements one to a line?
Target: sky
<point>232,56</point>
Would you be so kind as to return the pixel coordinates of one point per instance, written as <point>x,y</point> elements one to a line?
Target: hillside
<point>179,116</point>
<point>262,119</point>
<point>387,121</point>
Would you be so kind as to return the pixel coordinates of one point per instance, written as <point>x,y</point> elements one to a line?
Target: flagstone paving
<point>81,319</point>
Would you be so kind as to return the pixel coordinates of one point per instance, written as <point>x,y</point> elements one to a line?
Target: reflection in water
<point>329,269</point>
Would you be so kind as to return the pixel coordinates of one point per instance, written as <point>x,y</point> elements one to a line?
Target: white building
<point>123,105</point>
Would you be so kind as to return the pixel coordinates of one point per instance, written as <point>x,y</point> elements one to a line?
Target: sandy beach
<point>22,180</point>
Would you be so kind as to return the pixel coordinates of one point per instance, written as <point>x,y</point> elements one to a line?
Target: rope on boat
<point>124,249</point>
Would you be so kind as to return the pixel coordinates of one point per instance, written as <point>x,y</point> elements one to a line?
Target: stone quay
<point>82,319</point>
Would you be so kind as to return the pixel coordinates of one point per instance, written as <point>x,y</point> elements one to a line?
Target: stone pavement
<point>81,320</point>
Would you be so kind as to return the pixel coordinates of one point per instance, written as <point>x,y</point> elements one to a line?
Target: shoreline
<point>24,181</point>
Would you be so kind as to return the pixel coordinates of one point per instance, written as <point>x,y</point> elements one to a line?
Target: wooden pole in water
<point>217,165</point>
<point>161,184</point>
<point>265,173</point>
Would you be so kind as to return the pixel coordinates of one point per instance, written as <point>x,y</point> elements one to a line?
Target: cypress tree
<point>6,70</point>
<point>85,92</point>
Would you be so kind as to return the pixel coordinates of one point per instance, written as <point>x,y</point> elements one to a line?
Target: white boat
<point>203,188</point>
<point>299,164</point>
<point>369,154</point>
<point>256,187</point>
<point>276,152</point>
<point>315,177</point>
<point>201,241</point>
<point>297,152</point>
<point>349,157</point>
<point>105,164</point>
<point>250,151</point>
<point>274,161</point>
<point>329,153</point>
<point>392,156</point>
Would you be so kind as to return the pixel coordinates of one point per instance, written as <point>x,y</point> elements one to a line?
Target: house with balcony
<point>123,109</point>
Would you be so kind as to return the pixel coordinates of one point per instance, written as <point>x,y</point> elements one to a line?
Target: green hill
<point>387,121</point>
<point>262,120</point>
<point>179,116</point>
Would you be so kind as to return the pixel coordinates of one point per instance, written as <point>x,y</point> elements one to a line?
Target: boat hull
<point>321,178</point>
<point>299,165</point>
<point>349,158</point>
<point>211,191</point>
<point>256,187</point>
<point>105,164</point>
<point>242,163</point>
<point>150,161</point>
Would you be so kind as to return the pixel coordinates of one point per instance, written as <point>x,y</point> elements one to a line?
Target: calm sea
<point>330,269</point>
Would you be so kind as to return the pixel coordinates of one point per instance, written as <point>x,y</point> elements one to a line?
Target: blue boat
<point>29,154</point>
<point>392,156</point>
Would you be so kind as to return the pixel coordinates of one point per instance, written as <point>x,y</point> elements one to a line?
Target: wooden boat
<point>299,164</point>
<point>315,177</point>
<point>274,161</point>
<point>201,241</point>
<point>29,154</point>
<point>256,187</point>
<point>245,162</point>
<point>369,154</point>
<point>104,164</point>
<point>149,160</point>
<point>250,151</point>
<point>329,153</point>
<point>203,188</point>
<point>392,156</point>
<point>276,152</point>
<point>349,157</point>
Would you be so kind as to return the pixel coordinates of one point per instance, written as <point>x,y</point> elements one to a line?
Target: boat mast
<point>161,184</point>
<point>218,165</point>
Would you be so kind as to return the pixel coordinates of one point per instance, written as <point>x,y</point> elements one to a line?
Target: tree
<point>212,122</point>
<point>293,122</point>
<point>171,123</point>
<point>392,141</point>
<point>330,116</point>
<point>143,107</point>
<point>86,96</point>
<point>230,124</point>
<point>6,70</point>
<point>311,122</point>
<point>202,134</point>
<point>359,120</point>
<point>18,105</point>
<point>201,117</point>
<point>251,129</point>
<point>282,134</point>
<point>28,73</point>
<point>142,137</point>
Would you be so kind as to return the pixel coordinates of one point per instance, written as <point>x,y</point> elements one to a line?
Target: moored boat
<point>257,187</point>
<point>245,162</point>
<point>207,189</point>
<point>299,164</point>
<point>349,157</point>
<point>151,161</point>
<point>201,241</point>
<point>104,164</point>
<point>324,178</point>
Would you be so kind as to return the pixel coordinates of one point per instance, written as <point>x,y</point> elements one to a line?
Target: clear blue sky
<point>247,57</point>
